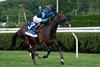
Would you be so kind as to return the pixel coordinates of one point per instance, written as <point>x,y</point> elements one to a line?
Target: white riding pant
<point>36,19</point>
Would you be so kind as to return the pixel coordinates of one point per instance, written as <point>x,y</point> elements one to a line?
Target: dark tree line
<point>69,7</point>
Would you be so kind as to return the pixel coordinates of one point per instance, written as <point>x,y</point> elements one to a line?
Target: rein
<point>52,20</point>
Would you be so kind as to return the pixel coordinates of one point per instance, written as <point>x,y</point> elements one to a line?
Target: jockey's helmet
<point>50,7</point>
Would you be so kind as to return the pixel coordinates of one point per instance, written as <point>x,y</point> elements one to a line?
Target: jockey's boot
<point>38,25</point>
<point>36,29</point>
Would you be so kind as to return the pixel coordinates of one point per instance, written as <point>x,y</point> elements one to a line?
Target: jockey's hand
<point>44,20</point>
<point>39,24</point>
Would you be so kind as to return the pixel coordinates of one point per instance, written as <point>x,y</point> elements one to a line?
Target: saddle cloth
<point>31,29</point>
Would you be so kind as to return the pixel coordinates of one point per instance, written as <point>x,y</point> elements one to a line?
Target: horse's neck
<point>51,28</point>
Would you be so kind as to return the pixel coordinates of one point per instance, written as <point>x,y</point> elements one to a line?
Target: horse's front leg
<point>46,48</point>
<point>60,50</point>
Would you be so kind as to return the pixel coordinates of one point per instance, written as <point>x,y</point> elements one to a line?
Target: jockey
<point>43,17</point>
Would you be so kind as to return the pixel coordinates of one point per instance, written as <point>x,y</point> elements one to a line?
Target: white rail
<point>8,30</point>
<point>79,29</point>
<point>70,29</point>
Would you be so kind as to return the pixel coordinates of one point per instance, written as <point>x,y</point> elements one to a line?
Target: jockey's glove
<point>44,20</point>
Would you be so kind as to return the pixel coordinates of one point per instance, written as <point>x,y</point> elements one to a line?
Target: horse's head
<point>62,19</point>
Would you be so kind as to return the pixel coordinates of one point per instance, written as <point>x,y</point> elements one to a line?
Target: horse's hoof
<point>62,61</point>
<point>44,57</point>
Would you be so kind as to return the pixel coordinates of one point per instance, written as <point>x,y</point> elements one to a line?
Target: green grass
<point>22,59</point>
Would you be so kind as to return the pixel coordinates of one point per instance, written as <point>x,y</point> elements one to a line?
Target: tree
<point>94,6</point>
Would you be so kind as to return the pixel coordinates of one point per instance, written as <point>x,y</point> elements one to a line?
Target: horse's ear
<point>59,13</point>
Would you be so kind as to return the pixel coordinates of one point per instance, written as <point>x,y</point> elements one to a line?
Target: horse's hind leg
<point>48,49</point>
<point>33,57</point>
<point>32,51</point>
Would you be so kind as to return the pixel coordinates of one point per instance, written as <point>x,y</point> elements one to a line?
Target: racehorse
<point>46,36</point>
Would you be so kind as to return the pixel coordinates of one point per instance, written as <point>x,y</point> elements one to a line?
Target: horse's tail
<point>14,40</point>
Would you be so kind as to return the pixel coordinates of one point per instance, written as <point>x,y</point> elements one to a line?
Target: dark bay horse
<point>46,37</point>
